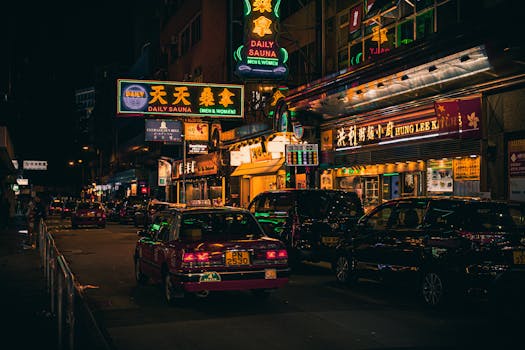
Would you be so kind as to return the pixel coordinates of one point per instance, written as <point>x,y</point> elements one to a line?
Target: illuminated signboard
<point>460,118</point>
<point>197,148</point>
<point>302,155</point>
<point>171,98</point>
<point>261,56</point>
<point>163,130</point>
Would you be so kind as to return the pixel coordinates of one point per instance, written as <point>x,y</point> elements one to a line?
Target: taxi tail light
<point>276,254</point>
<point>196,257</point>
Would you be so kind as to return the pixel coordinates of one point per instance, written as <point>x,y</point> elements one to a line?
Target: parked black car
<point>450,247</point>
<point>129,208</point>
<point>309,221</point>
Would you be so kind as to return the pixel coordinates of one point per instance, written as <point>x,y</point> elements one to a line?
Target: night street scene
<point>262,174</point>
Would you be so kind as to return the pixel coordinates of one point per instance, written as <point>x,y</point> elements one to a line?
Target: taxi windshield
<point>213,226</point>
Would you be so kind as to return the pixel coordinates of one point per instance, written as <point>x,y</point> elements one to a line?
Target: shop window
<point>355,35</point>
<point>342,32</point>
<point>380,219</point>
<point>342,58</point>
<point>425,24</point>
<point>405,32</point>
<point>447,15</point>
<point>356,54</point>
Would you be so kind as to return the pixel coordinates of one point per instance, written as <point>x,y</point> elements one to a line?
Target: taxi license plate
<point>270,274</point>
<point>330,240</point>
<point>234,258</point>
<point>519,257</point>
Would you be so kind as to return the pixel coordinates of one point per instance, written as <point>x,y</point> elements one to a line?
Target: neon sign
<point>261,56</point>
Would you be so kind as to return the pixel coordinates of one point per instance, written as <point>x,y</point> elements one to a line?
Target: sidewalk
<point>25,304</point>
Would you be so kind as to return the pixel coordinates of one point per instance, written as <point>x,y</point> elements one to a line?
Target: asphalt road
<point>311,312</point>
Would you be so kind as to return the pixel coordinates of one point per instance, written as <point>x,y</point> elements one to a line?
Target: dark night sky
<point>53,49</point>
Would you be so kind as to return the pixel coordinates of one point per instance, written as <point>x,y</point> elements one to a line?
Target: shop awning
<point>264,167</point>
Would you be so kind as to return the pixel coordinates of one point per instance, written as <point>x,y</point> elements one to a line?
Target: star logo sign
<point>262,26</point>
<point>473,120</point>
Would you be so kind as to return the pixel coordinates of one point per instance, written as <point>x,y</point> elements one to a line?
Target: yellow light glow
<point>262,26</point>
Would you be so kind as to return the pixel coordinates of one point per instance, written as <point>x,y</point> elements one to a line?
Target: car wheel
<point>140,278</point>
<point>344,269</point>
<point>169,294</point>
<point>433,289</point>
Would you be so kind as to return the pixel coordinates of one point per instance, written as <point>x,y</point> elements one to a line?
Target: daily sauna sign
<point>171,98</point>
<point>261,56</point>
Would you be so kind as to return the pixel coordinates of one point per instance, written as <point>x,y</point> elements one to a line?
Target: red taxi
<point>198,250</point>
<point>89,213</point>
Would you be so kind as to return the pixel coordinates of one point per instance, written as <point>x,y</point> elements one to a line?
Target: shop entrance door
<point>245,192</point>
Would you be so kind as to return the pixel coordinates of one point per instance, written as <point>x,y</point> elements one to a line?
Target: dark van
<point>310,222</point>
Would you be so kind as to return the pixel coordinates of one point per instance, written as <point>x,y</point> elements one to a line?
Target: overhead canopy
<point>264,167</point>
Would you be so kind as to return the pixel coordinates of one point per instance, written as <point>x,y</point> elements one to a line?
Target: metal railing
<point>66,300</point>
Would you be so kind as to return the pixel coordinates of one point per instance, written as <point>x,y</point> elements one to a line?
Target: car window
<point>223,225</point>
<point>442,214</point>
<point>487,217</point>
<point>313,204</point>
<point>380,218</point>
<point>274,202</point>
<point>407,215</point>
<point>89,206</point>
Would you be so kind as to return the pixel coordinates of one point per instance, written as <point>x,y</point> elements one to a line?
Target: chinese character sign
<point>261,56</point>
<point>171,98</point>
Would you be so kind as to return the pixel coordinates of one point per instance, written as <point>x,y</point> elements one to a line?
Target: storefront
<point>426,151</point>
<point>260,166</point>
<point>200,182</point>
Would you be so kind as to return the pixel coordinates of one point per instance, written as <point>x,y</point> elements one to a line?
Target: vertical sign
<point>261,56</point>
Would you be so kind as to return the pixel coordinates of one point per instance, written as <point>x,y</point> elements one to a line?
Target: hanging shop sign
<point>516,158</point>
<point>163,130</point>
<point>196,131</point>
<point>460,116</point>
<point>35,164</point>
<point>164,171</point>
<point>440,176</point>
<point>197,148</point>
<point>356,13</point>
<point>260,56</point>
<point>327,141</point>
<point>171,98</point>
<point>467,169</point>
<point>302,155</point>
<point>206,164</point>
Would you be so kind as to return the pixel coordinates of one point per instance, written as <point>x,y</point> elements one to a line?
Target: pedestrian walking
<point>39,212</point>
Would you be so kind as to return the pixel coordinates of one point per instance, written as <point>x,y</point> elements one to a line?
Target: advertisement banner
<point>171,98</point>
<point>163,130</point>
<point>516,158</point>
<point>460,116</point>
<point>440,176</point>
<point>196,131</point>
<point>356,14</point>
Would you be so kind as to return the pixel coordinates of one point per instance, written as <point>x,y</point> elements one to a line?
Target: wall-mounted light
<point>432,68</point>
<point>464,58</point>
